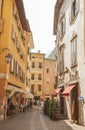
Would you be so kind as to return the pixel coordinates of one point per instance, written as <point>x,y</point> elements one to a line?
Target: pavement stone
<point>35,120</point>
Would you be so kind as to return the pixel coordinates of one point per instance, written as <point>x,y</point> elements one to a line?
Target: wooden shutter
<point>12,65</point>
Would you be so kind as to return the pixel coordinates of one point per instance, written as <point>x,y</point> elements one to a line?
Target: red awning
<point>57,91</point>
<point>67,91</point>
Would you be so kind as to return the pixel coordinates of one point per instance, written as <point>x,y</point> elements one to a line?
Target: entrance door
<point>62,102</point>
<point>74,104</point>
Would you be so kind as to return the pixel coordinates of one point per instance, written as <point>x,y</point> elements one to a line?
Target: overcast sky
<point>40,14</point>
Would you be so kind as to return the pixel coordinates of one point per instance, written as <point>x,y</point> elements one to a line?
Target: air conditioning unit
<point>1,25</point>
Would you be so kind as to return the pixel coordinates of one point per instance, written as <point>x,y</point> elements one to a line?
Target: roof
<point>21,11</point>
<point>56,14</point>
<point>52,55</point>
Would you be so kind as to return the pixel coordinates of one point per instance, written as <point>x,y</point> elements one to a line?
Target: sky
<point>40,14</point>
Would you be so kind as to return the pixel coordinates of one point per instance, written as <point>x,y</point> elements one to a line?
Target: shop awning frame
<point>67,91</point>
<point>57,91</point>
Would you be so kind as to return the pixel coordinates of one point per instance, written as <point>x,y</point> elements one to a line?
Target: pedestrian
<point>38,104</point>
<point>42,104</point>
<point>21,107</point>
<point>30,103</point>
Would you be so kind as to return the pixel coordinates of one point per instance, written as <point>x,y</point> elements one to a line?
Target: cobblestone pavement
<point>36,120</point>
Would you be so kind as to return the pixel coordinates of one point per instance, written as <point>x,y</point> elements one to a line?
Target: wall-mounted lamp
<point>8,57</point>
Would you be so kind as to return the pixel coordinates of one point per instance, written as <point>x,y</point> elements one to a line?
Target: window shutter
<point>77,6</point>
<point>17,69</point>
<point>12,65</point>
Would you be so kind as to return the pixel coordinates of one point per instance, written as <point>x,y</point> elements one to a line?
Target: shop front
<point>71,95</point>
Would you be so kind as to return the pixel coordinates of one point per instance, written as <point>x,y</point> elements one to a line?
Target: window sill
<point>61,72</point>
<point>74,65</point>
<point>73,19</point>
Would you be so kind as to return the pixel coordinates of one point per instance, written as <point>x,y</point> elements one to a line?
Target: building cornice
<point>21,11</point>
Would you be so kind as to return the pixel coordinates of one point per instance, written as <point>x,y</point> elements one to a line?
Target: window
<point>14,9</point>
<point>74,51</point>
<point>62,27</point>
<point>60,64</point>
<point>13,34</point>
<point>28,50</point>
<point>74,10</point>
<point>39,77</point>
<point>33,64</point>
<point>39,87</point>
<point>40,65</point>
<point>33,57</point>
<point>32,77</point>
<point>32,89</point>
<point>48,70</point>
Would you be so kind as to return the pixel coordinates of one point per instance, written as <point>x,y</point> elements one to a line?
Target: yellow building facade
<point>37,73</point>
<point>14,31</point>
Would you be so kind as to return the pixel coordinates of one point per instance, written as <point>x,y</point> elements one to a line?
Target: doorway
<point>74,104</point>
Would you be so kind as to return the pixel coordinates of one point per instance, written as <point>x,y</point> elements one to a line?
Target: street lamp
<point>8,56</point>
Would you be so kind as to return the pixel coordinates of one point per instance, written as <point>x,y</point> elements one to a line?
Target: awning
<point>57,91</point>
<point>67,90</point>
<point>28,95</point>
<point>14,89</point>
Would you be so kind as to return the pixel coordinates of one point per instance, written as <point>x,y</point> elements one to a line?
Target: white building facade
<point>69,28</point>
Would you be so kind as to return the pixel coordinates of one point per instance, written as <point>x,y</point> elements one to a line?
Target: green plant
<point>46,107</point>
<point>53,113</point>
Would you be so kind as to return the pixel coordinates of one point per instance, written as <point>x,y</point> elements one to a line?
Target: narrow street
<point>34,120</point>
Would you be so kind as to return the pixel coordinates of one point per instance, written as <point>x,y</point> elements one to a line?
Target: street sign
<point>80,98</point>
